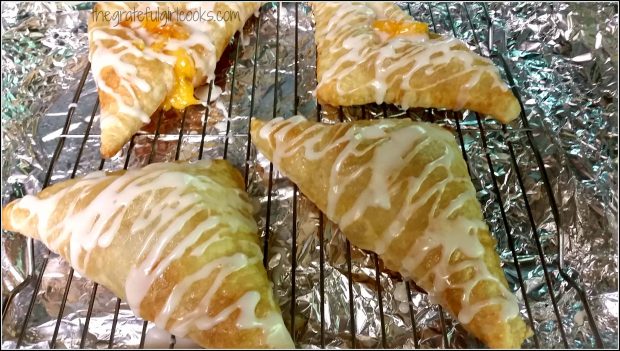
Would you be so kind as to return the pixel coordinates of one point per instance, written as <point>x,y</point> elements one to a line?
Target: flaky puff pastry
<point>177,241</point>
<point>374,52</point>
<point>401,189</point>
<point>150,55</point>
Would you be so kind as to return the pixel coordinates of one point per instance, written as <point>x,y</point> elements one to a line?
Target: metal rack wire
<point>36,273</point>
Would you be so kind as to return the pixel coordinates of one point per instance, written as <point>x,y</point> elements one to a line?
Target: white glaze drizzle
<point>350,28</point>
<point>102,57</point>
<point>224,266</point>
<point>116,56</point>
<point>180,196</point>
<point>272,323</point>
<point>393,144</point>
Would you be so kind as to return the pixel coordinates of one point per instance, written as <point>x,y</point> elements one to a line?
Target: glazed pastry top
<point>393,145</point>
<point>188,36</point>
<point>382,36</point>
<point>185,209</point>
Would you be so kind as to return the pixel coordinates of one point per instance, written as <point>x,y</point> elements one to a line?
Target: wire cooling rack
<point>185,131</point>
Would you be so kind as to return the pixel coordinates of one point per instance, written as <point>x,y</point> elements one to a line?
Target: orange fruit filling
<point>169,30</point>
<point>396,28</point>
<point>182,94</point>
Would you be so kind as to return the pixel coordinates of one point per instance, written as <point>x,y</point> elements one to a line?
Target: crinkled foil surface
<point>563,60</point>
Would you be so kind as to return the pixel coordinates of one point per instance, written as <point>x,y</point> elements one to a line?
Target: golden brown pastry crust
<point>134,67</point>
<point>177,241</point>
<point>401,189</point>
<point>357,65</point>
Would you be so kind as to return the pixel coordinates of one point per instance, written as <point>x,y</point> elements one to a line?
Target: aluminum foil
<point>563,59</point>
